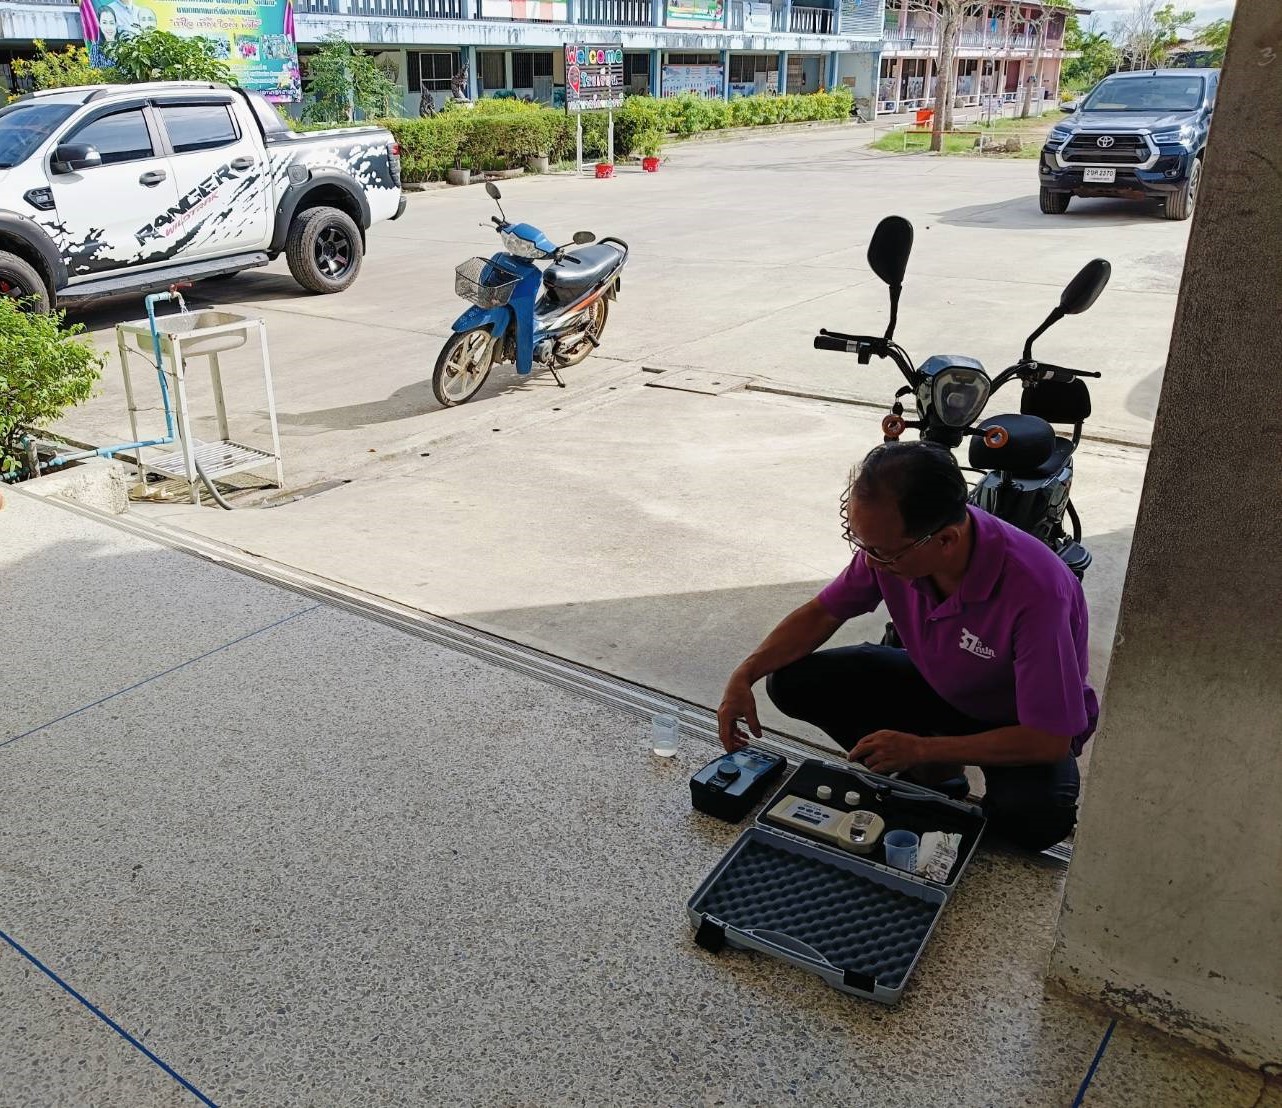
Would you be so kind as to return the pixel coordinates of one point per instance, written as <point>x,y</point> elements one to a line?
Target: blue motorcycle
<point>525,315</point>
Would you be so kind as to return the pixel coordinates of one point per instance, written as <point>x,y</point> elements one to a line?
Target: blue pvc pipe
<point>170,435</point>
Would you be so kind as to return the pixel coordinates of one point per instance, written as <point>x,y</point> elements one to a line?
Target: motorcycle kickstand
<point>556,377</point>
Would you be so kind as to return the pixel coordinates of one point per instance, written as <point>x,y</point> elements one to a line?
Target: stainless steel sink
<point>186,328</point>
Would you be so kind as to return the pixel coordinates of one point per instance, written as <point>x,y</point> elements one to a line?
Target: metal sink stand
<point>200,334</point>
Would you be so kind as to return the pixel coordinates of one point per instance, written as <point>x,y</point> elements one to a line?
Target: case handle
<point>787,942</point>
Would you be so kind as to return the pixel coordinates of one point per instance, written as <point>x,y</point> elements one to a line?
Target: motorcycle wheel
<point>462,366</point>
<point>597,315</point>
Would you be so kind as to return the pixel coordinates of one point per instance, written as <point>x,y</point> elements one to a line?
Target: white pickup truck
<point>116,189</point>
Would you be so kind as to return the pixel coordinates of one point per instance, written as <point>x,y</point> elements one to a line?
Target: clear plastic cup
<point>665,734</point>
<point>901,850</point>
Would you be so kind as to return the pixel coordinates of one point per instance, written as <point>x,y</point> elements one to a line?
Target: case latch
<point>711,935</point>
<point>864,982</point>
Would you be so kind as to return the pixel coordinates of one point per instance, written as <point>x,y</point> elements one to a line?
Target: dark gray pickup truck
<point>1137,135</point>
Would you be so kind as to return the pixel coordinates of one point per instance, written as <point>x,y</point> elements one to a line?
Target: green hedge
<point>504,133</point>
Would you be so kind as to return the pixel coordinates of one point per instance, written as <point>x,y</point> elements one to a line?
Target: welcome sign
<point>593,77</point>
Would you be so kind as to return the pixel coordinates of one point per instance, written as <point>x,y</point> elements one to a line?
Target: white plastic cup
<point>901,850</point>
<point>665,734</point>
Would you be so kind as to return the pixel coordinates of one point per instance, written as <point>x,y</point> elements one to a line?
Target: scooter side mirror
<point>1084,289</point>
<point>492,191</point>
<point>582,238</point>
<point>892,243</point>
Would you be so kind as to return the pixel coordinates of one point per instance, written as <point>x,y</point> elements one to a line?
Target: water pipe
<point>170,433</point>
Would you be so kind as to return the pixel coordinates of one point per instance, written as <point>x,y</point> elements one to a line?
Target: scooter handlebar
<point>827,342</point>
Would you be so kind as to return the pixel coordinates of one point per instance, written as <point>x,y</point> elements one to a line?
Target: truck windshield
<point>24,126</point>
<point>1146,94</point>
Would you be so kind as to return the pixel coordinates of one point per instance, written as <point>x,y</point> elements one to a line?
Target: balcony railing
<point>619,13</point>
<point>403,9</point>
<point>804,21</point>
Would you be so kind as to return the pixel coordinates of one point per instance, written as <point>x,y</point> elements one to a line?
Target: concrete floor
<point>303,858</point>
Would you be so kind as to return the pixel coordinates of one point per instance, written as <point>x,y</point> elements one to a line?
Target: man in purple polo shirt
<point>993,669</point>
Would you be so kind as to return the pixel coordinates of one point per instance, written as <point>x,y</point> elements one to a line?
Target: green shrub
<point>496,133</point>
<point>45,368</point>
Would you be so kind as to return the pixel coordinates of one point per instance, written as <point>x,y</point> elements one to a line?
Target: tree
<point>58,68</point>
<point>345,81</point>
<point>1148,34</point>
<point>1041,18</point>
<point>161,56</point>
<point>1098,55</point>
<point>1216,36</point>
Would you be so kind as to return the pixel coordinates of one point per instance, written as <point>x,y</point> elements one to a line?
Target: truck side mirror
<point>73,156</point>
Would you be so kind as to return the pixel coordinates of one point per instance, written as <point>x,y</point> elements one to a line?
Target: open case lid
<point>902,804</point>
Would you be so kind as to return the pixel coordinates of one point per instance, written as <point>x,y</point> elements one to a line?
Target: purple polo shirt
<point>1009,646</point>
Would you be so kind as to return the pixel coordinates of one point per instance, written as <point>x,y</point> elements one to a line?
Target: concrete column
<point>507,69</point>
<point>1173,905</point>
<point>656,69</point>
<point>659,12</point>
<point>783,72</point>
<point>725,71</point>
<point>832,72</point>
<point>473,77</point>
<point>571,14</point>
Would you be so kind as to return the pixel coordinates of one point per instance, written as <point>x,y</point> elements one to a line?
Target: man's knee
<point>786,688</point>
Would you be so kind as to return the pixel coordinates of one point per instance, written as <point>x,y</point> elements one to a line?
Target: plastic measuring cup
<point>665,733</point>
<point>901,850</point>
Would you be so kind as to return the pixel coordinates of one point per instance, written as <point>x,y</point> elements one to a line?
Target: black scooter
<point>1027,469</point>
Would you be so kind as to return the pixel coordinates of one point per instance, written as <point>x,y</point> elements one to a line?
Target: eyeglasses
<point>871,553</point>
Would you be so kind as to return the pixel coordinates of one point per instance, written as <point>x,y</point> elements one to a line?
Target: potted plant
<point>460,174</point>
<point>537,163</point>
<point>650,142</point>
<point>47,369</point>
<point>604,169</point>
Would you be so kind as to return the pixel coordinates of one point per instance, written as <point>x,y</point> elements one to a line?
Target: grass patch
<point>1031,133</point>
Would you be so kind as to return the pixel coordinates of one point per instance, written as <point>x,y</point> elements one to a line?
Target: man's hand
<point>888,751</point>
<point>737,703</point>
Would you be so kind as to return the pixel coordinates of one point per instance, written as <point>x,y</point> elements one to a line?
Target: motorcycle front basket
<point>483,283</point>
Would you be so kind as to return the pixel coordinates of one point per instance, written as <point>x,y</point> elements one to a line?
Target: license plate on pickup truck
<point>1101,176</point>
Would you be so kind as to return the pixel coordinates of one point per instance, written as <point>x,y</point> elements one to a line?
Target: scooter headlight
<point>521,247</point>
<point>959,394</point>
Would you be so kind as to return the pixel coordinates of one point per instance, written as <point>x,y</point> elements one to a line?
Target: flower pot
<point>604,169</point>
<point>458,176</point>
<point>650,165</point>
<point>537,164</point>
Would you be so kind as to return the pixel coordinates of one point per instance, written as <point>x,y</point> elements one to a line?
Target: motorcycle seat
<point>594,264</point>
<point>1033,449</point>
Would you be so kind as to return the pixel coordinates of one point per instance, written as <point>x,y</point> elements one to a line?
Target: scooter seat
<point>1033,449</point>
<point>594,263</point>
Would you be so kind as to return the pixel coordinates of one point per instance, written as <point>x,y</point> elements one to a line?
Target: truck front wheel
<point>1054,203</point>
<point>20,281</point>
<point>323,249</point>
<point>1180,205</point>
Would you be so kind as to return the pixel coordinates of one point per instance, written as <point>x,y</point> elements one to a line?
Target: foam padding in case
<point>854,921</point>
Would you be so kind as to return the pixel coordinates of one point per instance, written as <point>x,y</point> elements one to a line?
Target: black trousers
<point>852,691</point>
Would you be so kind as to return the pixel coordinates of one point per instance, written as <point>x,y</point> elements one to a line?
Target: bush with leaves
<point>64,68</point>
<point>505,133</point>
<point>160,56</point>
<point>45,368</point>
<point>344,81</point>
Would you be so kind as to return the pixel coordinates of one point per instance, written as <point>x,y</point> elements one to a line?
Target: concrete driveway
<point>652,531</point>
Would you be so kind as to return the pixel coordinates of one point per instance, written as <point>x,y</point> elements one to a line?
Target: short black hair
<point>922,479</point>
